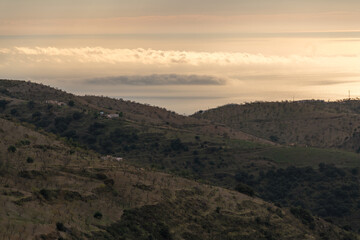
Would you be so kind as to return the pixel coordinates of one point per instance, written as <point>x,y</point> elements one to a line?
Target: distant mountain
<point>306,123</point>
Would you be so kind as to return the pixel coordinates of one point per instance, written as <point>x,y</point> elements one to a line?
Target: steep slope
<point>182,149</point>
<point>50,190</point>
<point>306,123</point>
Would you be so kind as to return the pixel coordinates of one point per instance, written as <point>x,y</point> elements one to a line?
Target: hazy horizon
<point>185,56</point>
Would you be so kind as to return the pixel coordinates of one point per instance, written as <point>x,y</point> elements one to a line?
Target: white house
<point>112,115</point>
<point>54,102</point>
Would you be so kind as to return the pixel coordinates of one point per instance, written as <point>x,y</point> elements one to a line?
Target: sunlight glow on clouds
<point>220,52</point>
<point>150,56</point>
<point>154,76</point>
<point>173,58</point>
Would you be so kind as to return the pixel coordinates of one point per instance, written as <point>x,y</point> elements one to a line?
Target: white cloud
<point>4,51</point>
<point>151,56</point>
<point>232,76</point>
<point>171,58</point>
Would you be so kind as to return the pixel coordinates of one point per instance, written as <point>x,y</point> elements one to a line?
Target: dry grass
<point>70,188</point>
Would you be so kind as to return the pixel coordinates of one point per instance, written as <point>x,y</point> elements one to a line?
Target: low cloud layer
<point>158,79</point>
<point>149,56</point>
<point>173,58</point>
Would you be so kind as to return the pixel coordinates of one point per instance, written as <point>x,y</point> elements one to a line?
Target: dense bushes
<point>3,104</point>
<point>77,115</point>
<point>177,145</point>
<point>11,149</point>
<point>147,222</point>
<point>98,215</point>
<point>60,227</point>
<point>121,135</point>
<point>304,216</point>
<point>327,191</point>
<point>245,189</point>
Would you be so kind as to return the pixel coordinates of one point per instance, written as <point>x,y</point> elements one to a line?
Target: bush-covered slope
<point>211,155</point>
<point>49,190</point>
<point>310,123</point>
<point>19,91</point>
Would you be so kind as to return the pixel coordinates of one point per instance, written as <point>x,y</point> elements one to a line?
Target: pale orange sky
<point>186,55</point>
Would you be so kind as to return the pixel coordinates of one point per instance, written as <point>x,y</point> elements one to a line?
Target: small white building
<point>112,115</point>
<point>111,158</point>
<point>54,102</point>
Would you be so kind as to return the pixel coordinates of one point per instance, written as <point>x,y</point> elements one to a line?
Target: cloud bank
<point>173,58</point>
<point>158,79</point>
<point>223,76</point>
<point>149,56</point>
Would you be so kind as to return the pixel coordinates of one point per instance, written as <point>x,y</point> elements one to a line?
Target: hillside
<point>50,190</point>
<point>323,181</point>
<point>305,123</point>
<point>137,113</point>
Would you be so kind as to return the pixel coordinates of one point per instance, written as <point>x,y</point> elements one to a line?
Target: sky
<point>185,55</point>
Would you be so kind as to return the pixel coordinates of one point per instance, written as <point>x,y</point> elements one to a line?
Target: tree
<point>245,189</point>
<point>14,112</point>
<point>60,227</point>
<point>77,115</point>
<point>11,149</point>
<point>98,215</point>
<point>274,138</point>
<point>31,104</point>
<point>71,103</point>
<point>3,104</point>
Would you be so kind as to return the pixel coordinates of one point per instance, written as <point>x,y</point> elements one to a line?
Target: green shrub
<point>245,189</point>
<point>31,104</point>
<point>36,115</point>
<point>29,160</point>
<point>77,115</point>
<point>25,142</point>
<point>3,104</point>
<point>11,149</point>
<point>60,227</point>
<point>303,215</point>
<point>109,182</point>
<point>14,112</point>
<point>274,138</point>
<point>98,215</point>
